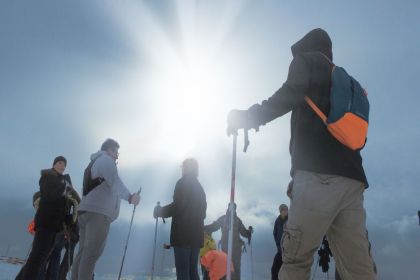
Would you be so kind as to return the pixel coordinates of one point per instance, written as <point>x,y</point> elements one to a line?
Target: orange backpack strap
<point>316,109</point>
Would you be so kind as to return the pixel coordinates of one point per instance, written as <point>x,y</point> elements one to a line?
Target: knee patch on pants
<point>290,244</point>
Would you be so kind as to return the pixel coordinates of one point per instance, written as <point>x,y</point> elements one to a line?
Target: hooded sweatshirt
<point>105,198</point>
<point>312,147</point>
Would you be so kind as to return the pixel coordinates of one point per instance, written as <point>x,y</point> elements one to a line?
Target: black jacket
<point>52,206</point>
<point>188,211</point>
<point>238,231</point>
<point>312,147</point>
<point>278,231</point>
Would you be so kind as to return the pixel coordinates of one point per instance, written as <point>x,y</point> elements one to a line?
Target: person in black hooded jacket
<point>50,217</point>
<point>328,178</point>
<point>188,211</point>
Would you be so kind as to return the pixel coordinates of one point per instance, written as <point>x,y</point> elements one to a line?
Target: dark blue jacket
<point>278,231</point>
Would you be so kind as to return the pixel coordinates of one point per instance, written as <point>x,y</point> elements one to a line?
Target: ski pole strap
<point>246,140</point>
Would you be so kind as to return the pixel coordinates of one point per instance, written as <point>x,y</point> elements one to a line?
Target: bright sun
<point>189,78</point>
<point>191,102</point>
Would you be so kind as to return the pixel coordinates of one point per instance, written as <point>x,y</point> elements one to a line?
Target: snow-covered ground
<point>9,271</point>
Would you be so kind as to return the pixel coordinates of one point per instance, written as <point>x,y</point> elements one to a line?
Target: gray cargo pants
<point>93,232</point>
<point>326,205</point>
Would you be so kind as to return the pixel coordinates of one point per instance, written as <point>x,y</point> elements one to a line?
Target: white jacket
<point>105,198</point>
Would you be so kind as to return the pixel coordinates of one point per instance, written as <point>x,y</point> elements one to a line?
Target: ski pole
<point>69,252</point>
<point>154,245</point>
<point>251,254</point>
<point>128,238</point>
<point>231,208</point>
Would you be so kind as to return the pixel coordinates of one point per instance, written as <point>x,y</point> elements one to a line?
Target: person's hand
<point>236,119</point>
<point>135,199</point>
<point>157,211</point>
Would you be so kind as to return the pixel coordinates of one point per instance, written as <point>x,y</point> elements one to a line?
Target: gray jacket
<point>105,198</point>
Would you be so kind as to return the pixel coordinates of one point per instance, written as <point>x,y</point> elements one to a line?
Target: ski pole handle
<point>163,219</point>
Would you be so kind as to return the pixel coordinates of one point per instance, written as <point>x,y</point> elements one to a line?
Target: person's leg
<point>182,263</point>
<point>96,233</point>
<point>275,268</point>
<point>43,272</point>
<point>64,266</point>
<point>55,258</point>
<point>43,242</point>
<point>82,219</point>
<point>348,239</point>
<point>236,260</point>
<point>194,252</point>
<point>316,199</point>
<point>205,273</point>
<point>19,276</point>
<point>337,276</point>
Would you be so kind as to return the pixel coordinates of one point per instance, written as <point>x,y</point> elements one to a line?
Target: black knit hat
<point>60,158</point>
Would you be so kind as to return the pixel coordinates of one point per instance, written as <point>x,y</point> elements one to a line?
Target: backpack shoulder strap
<point>316,109</point>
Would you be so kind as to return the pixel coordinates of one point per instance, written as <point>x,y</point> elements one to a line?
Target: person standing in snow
<point>99,208</point>
<point>238,230</point>
<point>328,177</point>
<point>278,233</point>
<point>188,211</point>
<point>49,218</point>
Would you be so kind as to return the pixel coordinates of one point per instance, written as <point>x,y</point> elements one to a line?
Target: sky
<point>161,76</point>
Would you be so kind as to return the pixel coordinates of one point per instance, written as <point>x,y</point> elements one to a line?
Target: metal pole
<point>252,260</point>
<point>128,238</point>
<point>231,208</point>
<point>154,247</point>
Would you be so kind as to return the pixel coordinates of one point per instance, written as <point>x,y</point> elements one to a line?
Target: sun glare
<point>190,78</point>
<point>190,109</point>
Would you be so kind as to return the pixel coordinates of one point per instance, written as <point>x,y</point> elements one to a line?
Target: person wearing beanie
<point>328,179</point>
<point>99,207</point>
<point>278,233</point>
<point>188,211</point>
<point>49,218</point>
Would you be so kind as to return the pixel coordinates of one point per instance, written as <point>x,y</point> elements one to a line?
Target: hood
<point>97,154</point>
<point>316,40</point>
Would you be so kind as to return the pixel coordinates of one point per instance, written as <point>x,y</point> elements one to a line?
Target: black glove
<point>157,212</point>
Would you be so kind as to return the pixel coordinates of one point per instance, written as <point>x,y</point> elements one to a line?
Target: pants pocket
<point>319,193</point>
<point>290,244</point>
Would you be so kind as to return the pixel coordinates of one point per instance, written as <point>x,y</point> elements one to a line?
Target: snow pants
<point>326,205</point>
